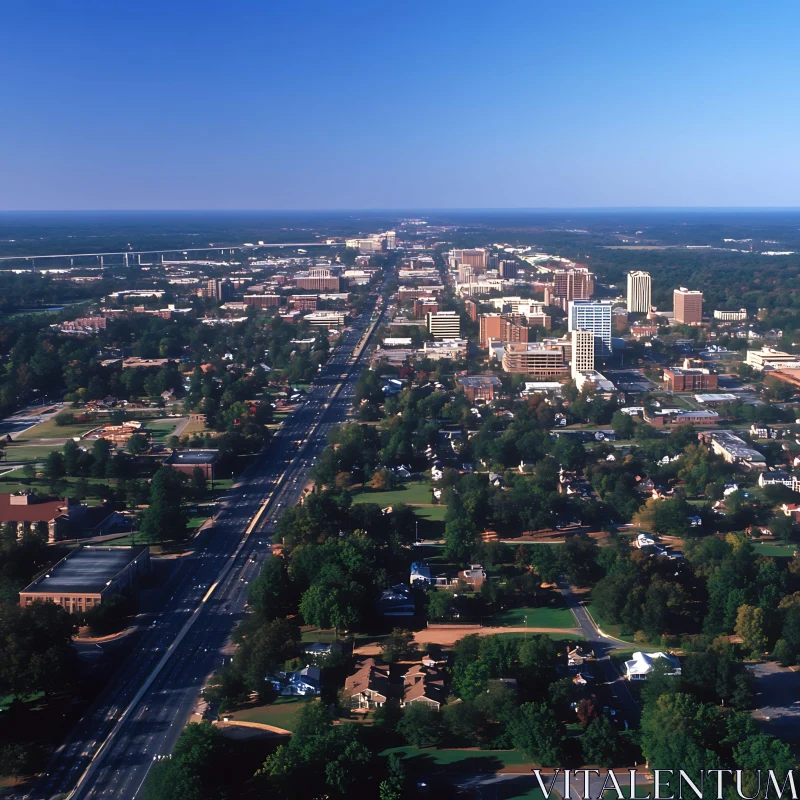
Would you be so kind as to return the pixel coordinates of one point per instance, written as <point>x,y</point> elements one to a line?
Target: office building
<point>508,269</point>
<point>453,349</point>
<point>318,283</point>
<point>475,258</point>
<point>471,307</point>
<point>479,387</point>
<point>303,302</point>
<point>262,300</point>
<point>425,305</point>
<point>688,306</point>
<point>537,360</point>
<point>444,324</point>
<point>594,316</point>
<point>639,292</point>
<point>88,576</point>
<point>573,284</point>
<point>733,449</point>
<point>768,358</point>
<point>326,319</point>
<point>730,316</point>
<point>582,352</point>
<point>500,327</point>
<point>689,380</point>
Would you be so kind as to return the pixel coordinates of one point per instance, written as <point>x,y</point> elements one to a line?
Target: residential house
<point>420,572</point>
<point>303,683</point>
<point>368,687</point>
<point>398,601</point>
<point>423,684</point>
<point>474,576</point>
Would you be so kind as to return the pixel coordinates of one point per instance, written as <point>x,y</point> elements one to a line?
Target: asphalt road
<point>141,713</point>
<point>602,646</point>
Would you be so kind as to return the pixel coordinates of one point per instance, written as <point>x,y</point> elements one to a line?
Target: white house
<point>420,572</point>
<point>641,665</point>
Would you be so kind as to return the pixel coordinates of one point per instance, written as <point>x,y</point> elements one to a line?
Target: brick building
<point>689,380</point>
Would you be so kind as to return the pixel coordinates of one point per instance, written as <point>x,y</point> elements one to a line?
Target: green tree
<point>750,627</point>
<point>421,725</point>
<point>599,743</point>
<point>538,734</point>
<point>165,518</point>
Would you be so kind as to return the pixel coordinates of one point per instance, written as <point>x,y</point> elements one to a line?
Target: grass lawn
<point>160,429</point>
<point>318,636</point>
<point>774,549</point>
<point>476,760</point>
<point>30,452</point>
<point>412,493</point>
<point>197,522</point>
<point>193,428</point>
<point>49,430</point>
<point>536,618</point>
<point>282,713</point>
<point>608,627</point>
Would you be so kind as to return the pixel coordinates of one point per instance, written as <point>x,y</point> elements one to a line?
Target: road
<point>141,712</point>
<point>602,646</point>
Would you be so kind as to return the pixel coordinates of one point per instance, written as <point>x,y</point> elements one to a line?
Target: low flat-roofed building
<point>326,319</point>
<point>601,384</point>
<point>187,461</point>
<point>769,358</point>
<point>479,387</point>
<point>733,449</point>
<point>715,399</point>
<point>87,576</point>
<point>446,348</point>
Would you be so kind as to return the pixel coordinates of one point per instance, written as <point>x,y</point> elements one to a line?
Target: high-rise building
<point>508,269</point>
<point>639,292</point>
<point>471,307</point>
<point>475,258</point>
<point>573,284</point>
<point>688,306</point>
<point>465,273</point>
<point>501,328</point>
<point>444,325</point>
<point>594,316</point>
<point>582,352</point>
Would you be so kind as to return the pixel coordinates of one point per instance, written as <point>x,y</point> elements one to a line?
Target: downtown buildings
<point>688,306</point>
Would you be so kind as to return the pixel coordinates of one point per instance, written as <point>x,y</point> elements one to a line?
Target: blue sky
<point>227,104</point>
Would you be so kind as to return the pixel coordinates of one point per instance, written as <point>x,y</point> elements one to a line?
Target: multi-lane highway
<point>142,711</point>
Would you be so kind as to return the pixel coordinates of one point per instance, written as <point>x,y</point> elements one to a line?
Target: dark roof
<point>191,457</point>
<point>86,569</point>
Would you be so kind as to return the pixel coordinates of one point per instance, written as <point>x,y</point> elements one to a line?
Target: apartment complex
<point>444,325</point>
<point>639,292</point>
<point>594,316</point>
<point>688,306</point>
<point>573,284</point>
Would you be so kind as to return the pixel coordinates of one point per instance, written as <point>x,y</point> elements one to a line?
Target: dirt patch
<point>452,635</point>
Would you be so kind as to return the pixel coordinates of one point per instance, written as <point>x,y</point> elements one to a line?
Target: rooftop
<point>192,457</point>
<point>86,569</point>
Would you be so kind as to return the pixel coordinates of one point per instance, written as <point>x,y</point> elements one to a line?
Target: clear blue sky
<point>289,104</point>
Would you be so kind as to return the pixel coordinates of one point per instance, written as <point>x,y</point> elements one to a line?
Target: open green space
<point>161,429</point>
<point>774,549</point>
<point>411,493</point>
<point>535,618</point>
<point>6,701</point>
<point>197,522</point>
<point>49,430</point>
<point>29,453</point>
<point>282,713</point>
<point>477,760</point>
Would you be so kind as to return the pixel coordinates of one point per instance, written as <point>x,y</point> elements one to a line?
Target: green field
<point>161,429</point>
<point>412,493</point>
<point>536,618</point>
<point>773,549</point>
<point>281,714</point>
<point>30,453</point>
<point>49,429</point>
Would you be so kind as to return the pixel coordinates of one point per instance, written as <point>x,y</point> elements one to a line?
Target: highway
<point>141,712</point>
